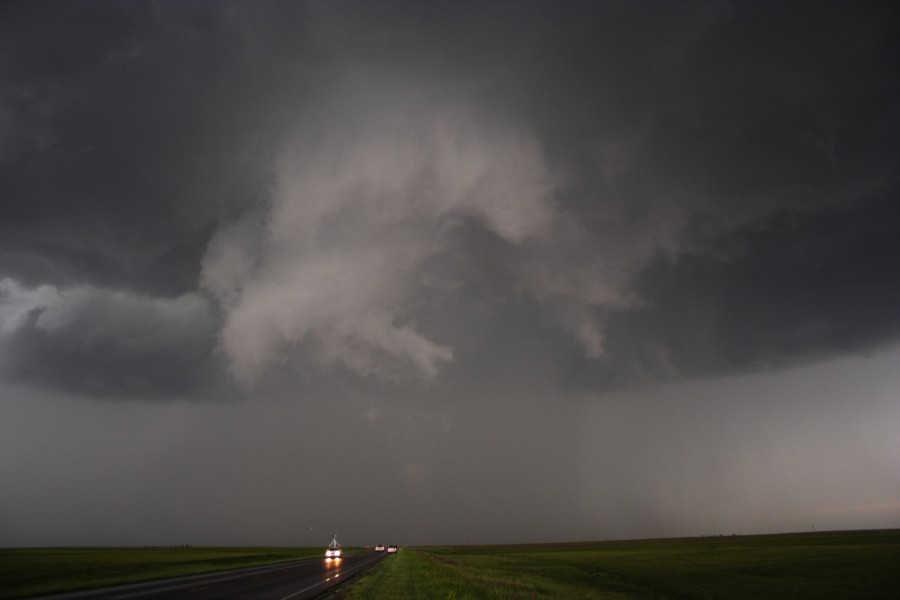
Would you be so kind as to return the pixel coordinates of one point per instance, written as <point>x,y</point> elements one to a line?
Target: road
<point>299,580</point>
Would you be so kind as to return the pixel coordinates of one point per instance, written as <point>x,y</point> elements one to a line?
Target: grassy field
<point>821,566</point>
<point>28,572</point>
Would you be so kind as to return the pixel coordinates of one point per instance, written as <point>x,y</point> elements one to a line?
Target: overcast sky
<point>455,272</point>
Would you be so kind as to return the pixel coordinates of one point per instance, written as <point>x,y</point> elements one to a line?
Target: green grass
<point>28,572</point>
<point>817,566</point>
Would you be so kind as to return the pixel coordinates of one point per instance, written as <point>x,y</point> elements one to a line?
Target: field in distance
<point>28,572</point>
<point>820,566</point>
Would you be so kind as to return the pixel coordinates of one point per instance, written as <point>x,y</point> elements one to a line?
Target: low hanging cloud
<point>340,259</point>
<point>337,258</point>
<point>104,343</point>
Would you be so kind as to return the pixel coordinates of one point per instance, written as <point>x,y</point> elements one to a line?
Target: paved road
<point>299,580</point>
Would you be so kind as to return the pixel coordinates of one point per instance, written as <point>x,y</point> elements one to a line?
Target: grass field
<point>28,572</point>
<point>821,566</point>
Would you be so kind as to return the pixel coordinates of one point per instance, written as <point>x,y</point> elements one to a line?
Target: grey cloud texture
<point>792,289</point>
<point>587,141</point>
<point>355,223</point>
<point>552,270</point>
<point>100,343</point>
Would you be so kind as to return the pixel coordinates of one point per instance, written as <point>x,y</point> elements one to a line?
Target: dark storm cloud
<point>104,344</point>
<point>766,126</point>
<point>448,252</point>
<point>128,130</point>
<point>788,289</point>
<point>527,159</point>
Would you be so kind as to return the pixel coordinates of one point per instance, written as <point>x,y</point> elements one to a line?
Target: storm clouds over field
<point>476,272</point>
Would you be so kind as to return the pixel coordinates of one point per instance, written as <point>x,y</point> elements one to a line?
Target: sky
<point>447,273</point>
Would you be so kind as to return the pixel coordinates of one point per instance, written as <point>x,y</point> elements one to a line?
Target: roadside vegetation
<point>820,566</point>
<point>28,572</point>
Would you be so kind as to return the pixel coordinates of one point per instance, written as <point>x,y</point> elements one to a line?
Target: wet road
<point>299,580</point>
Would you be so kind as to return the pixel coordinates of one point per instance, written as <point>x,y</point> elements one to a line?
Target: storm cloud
<point>100,343</point>
<point>471,237</point>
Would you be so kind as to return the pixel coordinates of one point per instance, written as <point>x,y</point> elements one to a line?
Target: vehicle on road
<point>334,549</point>
<point>392,548</point>
<point>379,547</point>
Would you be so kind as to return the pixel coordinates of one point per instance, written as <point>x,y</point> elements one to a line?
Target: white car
<point>392,548</point>
<point>379,547</point>
<point>333,550</point>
